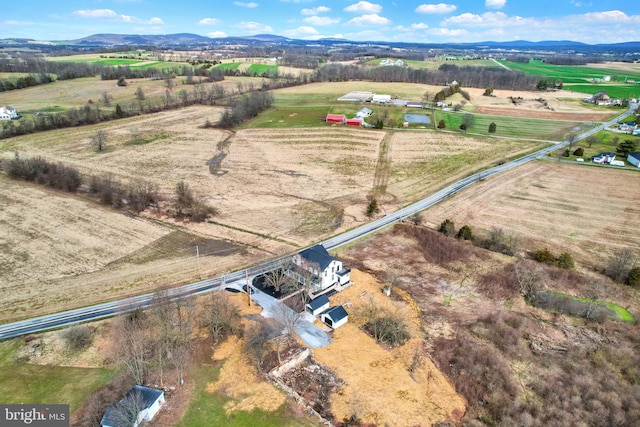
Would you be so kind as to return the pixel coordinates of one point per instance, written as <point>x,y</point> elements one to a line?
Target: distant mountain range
<point>188,39</point>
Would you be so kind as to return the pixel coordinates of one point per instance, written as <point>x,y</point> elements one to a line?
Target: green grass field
<point>262,69</point>
<point>614,90</point>
<point>229,66</point>
<point>606,143</point>
<point>516,127</point>
<point>568,73</point>
<point>27,383</point>
<point>208,409</point>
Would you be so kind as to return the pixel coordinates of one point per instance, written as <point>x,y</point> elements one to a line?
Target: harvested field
<point>587,211</point>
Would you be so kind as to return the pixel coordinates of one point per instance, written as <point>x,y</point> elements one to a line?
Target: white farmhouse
<point>8,113</point>
<point>323,271</point>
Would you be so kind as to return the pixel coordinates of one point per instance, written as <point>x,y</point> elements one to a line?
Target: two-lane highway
<point>101,311</point>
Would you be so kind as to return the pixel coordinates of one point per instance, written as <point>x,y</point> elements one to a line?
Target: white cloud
<point>369,20</point>
<point>436,8</point>
<point>254,27</point>
<point>446,32</point>
<point>95,13</point>
<point>111,15</point>
<point>321,20</point>
<point>315,11</point>
<point>302,32</point>
<point>209,21</point>
<point>16,23</point>
<point>413,27</point>
<point>217,34</point>
<point>495,4</point>
<point>594,27</point>
<point>364,7</point>
<point>612,16</point>
<point>251,5</point>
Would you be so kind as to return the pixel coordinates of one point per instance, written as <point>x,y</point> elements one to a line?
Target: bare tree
<point>99,140</point>
<point>106,99</point>
<point>184,197</point>
<point>132,348</point>
<point>125,412</point>
<point>279,277</point>
<point>528,279</point>
<point>620,263</point>
<point>256,343</point>
<point>221,317</point>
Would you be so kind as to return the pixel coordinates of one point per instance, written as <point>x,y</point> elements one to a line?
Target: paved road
<point>110,309</point>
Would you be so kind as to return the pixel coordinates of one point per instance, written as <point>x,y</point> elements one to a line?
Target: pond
<point>580,307</point>
<point>417,118</point>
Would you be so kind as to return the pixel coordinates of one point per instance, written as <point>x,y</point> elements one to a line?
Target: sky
<point>592,22</point>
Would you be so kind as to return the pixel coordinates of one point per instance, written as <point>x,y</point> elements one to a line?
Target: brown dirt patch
<point>378,386</point>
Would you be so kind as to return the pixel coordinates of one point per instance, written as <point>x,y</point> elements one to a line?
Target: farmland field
<point>277,188</point>
<point>583,210</point>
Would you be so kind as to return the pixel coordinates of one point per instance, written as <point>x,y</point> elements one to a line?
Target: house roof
<point>317,254</point>
<point>318,302</point>
<point>336,313</point>
<point>635,155</point>
<point>149,397</point>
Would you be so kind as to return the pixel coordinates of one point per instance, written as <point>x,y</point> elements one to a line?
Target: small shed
<point>336,118</point>
<point>152,400</point>
<point>335,317</point>
<point>634,159</point>
<point>380,99</point>
<point>414,104</point>
<point>318,305</point>
<point>356,121</point>
<point>364,112</point>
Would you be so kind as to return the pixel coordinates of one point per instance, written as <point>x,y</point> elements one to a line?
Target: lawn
<point>229,66</point>
<point>605,143</point>
<point>567,73</point>
<point>614,90</point>
<point>262,69</point>
<point>516,127</point>
<point>208,409</point>
<point>21,382</point>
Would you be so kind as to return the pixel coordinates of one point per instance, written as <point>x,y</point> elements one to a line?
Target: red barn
<point>354,122</point>
<point>336,118</point>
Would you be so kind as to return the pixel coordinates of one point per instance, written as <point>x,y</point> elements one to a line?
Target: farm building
<point>627,127</point>
<point>318,305</point>
<point>151,400</point>
<point>335,317</point>
<point>380,99</point>
<point>604,158</point>
<point>357,121</point>
<point>324,270</point>
<point>634,159</point>
<point>364,112</point>
<point>336,118</point>
<point>8,113</point>
<point>414,104</point>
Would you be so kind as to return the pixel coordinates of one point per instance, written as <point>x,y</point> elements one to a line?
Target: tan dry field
<point>276,190</point>
<point>587,211</point>
<point>75,93</point>
<point>625,67</point>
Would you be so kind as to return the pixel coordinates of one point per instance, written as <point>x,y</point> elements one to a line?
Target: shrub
<point>579,152</point>
<point>389,329</point>
<point>633,279</point>
<point>77,337</point>
<point>465,233</point>
<point>493,127</point>
<point>372,207</point>
<point>544,256</point>
<point>565,260</point>
<point>447,228</point>
<point>442,124</point>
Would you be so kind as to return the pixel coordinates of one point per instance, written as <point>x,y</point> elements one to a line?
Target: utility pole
<point>246,275</point>
<point>198,261</point>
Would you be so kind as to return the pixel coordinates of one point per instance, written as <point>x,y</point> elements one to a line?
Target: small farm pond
<point>580,307</point>
<point>417,118</point>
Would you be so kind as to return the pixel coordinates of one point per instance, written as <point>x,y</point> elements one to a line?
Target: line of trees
<point>468,76</point>
<point>245,108</point>
<point>25,81</point>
